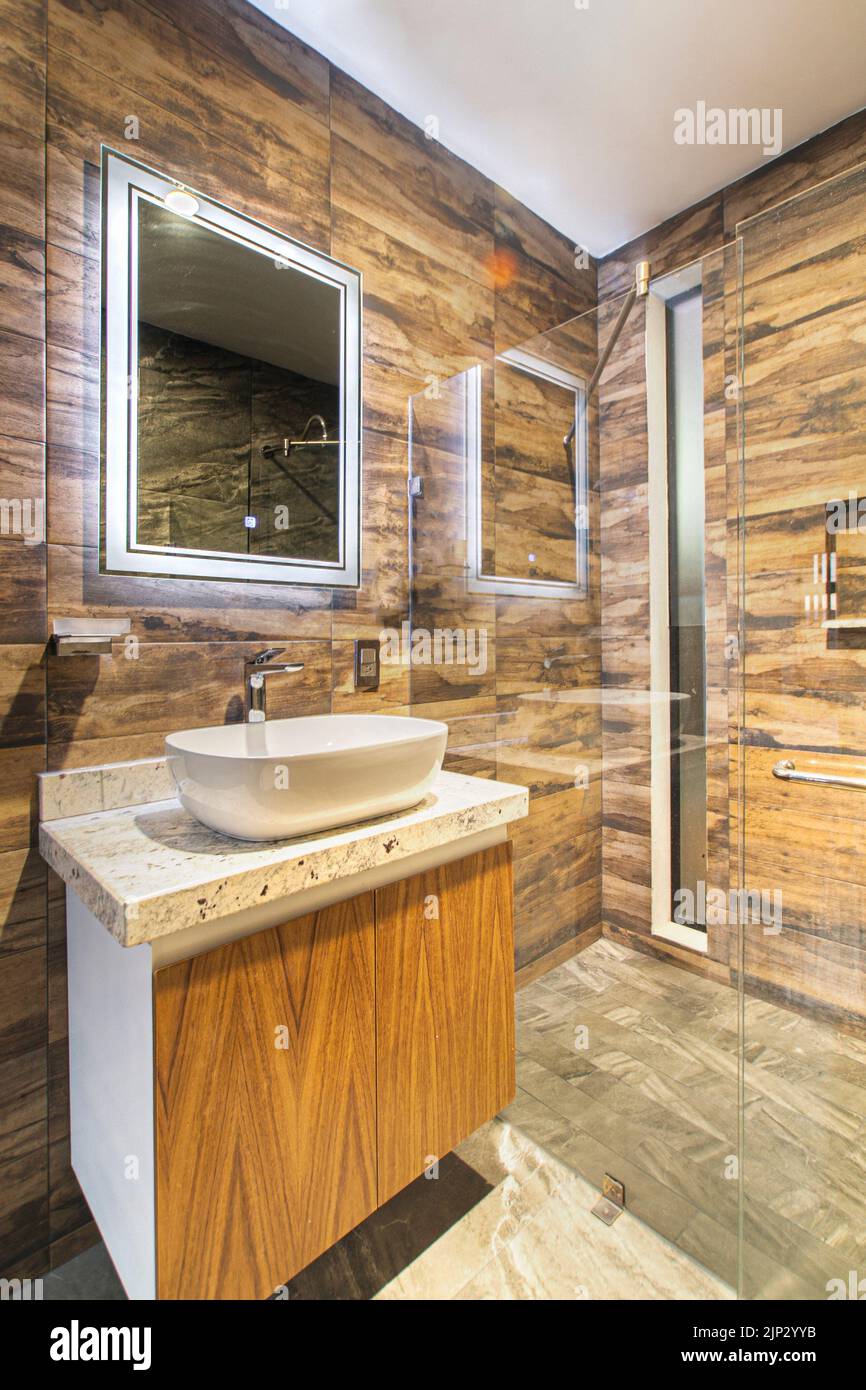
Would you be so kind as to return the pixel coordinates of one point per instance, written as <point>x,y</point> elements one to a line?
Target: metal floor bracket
<point>611,1203</point>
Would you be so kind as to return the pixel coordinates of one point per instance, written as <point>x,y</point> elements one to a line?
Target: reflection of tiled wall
<point>794,679</point>
<point>453,267</point>
<point>203,415</point>
<point>521,721</point>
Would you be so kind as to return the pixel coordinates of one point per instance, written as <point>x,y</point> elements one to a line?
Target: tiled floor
<point>628,1065</point>
<point>528,1235</point>
<point>534,1237</point>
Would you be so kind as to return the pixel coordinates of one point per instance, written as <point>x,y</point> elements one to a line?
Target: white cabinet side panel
<point>111,1092</point>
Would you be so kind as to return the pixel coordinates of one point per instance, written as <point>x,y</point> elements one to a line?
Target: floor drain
<point>611,1203</point>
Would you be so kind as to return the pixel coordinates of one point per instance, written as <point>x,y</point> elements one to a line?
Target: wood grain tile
<point>258,46</point>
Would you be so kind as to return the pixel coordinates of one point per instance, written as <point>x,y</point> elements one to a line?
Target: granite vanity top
<point>150,869</point>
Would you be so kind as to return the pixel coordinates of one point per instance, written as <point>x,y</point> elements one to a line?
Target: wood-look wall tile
<point>72,510</point>
<point>430,332</point>
<point>841,147</point>
<point>23,1107</point>
<point>23,1017</point>
<point>575,665</point>
<point>22,552</point>
<point>73,298</point>
<point>83,114</point>
<point>626,904</point>
<point>563,817</point>
<point>22,695</point>
<point>382,600</point>
<point>71,1226</point>
<point>24,1215</point>
<point>133,47</point>
<point>535,268</point>
<point>258,46</point>
<point>22,66</point>
<point>22,283</point>
<point>819,720</point>
<point>22,900</point>
<point>183,610</point>
<point>172,685</point>
<point>68,1210</point>
<point>22,386</point>
<point>18,800</point>
<point>119,748</point>
<point>557,895</point>
<point>67,1247</point>
<point>22,592</point>
<point>22,182</point>
<point>680,239</point>
<point>386,171</point>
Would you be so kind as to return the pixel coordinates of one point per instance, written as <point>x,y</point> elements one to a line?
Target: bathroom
<point>341,383</point>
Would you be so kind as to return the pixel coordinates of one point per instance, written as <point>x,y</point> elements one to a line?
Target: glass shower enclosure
<point>645,601</point>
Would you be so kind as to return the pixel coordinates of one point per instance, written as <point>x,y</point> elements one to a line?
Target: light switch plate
<point>367,660</point>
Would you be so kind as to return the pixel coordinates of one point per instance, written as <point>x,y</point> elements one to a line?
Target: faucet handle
<point>264,657</point>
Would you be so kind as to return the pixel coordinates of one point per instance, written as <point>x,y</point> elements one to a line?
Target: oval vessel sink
<point>287,777</point>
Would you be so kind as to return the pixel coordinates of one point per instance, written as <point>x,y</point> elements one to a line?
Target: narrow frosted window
<point>687,600</point>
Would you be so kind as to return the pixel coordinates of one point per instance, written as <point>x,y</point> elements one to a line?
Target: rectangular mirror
<point>526,504</point>
<point>231,392</point>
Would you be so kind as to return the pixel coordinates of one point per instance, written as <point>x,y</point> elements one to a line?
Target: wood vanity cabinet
<point>306,1073</point>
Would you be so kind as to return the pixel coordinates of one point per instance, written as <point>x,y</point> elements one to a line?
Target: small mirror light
<point>182,202</point>
<point>250,523</point>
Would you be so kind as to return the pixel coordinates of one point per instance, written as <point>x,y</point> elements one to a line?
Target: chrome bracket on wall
<point>87,636</point>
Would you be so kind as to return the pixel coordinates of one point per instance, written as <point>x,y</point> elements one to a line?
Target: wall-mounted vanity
<point>269,1040</point>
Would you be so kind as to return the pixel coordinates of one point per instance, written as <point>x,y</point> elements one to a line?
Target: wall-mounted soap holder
<point>87,636</point>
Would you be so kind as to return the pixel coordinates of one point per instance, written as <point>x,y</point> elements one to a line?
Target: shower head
<point>314,419</point>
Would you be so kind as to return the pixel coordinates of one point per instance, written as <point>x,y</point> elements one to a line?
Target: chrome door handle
<point>786,772</point>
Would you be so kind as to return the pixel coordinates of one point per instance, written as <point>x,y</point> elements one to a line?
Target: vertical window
<point>687,605</point>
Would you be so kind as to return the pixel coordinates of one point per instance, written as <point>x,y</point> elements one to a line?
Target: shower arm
<point>271,451</point>
<point>639,290</point>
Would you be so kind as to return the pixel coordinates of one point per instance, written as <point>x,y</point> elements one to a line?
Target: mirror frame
<point>478,581</point>
<point>124,183</point>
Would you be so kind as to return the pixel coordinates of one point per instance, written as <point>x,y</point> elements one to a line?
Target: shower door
<point>802,744</point>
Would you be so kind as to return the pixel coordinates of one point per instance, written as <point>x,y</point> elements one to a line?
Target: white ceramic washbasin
<point>287,777</point>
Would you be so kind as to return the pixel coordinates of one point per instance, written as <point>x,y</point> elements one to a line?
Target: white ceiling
<point>572,109</point>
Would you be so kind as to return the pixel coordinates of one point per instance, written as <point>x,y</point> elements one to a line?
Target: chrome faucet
<point>256,673</point>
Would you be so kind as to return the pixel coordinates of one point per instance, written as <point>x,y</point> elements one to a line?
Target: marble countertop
<point>151,869</point>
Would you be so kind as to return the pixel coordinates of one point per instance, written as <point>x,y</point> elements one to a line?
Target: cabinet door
<point>445,1010</point>
<point>265,1103</point>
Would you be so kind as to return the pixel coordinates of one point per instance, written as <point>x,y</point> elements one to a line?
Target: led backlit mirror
<point>231,397</point>
<point>526,504</point>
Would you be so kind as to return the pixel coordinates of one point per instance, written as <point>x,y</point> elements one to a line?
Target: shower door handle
<point>786,772</point>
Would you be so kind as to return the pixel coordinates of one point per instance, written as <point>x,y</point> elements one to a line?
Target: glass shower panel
<point>539,634</point>
<point>802,811</point>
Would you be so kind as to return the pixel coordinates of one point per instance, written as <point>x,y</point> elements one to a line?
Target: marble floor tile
<point>658,1080</point>
<point>534,1237</point>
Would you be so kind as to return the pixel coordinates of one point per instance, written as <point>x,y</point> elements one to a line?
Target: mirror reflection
<point>238,445</point>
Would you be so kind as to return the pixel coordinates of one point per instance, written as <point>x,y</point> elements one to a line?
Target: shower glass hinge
<point>416,487</point>
<point>611,1203</point>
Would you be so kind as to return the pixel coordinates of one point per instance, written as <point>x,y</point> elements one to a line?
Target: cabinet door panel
<point>266,1154</point>
<point>445,1010</point>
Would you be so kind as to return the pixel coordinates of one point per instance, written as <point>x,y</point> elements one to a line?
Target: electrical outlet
<point>366,663</point>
